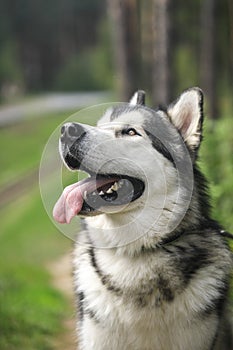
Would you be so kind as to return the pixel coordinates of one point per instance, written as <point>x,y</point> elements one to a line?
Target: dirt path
<point>61,273</point>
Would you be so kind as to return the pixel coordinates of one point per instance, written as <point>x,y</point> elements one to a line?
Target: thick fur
<point>168,289</point>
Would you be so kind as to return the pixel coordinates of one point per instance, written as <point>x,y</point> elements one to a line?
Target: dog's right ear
<point>138,98</point>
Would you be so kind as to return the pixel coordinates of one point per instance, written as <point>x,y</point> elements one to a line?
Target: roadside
<point>49,103</point>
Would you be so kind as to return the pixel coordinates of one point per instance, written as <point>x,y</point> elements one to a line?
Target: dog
<point>151,267</point>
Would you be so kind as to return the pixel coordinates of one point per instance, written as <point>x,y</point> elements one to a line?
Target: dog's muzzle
<point>101,189</point>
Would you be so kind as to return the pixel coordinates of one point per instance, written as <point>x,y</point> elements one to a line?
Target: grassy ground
<point>31,311</point>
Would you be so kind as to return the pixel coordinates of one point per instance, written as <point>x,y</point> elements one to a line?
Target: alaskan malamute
<point>151,267</point>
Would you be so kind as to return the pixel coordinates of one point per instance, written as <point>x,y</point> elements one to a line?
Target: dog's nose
<point>71,132</point>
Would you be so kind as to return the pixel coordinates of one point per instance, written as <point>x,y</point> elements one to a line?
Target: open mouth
<point>89,196</point>
<point>113,190</point>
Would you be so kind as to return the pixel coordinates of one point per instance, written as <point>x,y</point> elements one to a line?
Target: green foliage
<point>10,68</point>
<point>47,33</point>
<point>217,164</point>
<point>185,66</point>
<point>85,71</point>
<point>89,69</point>
<point>11,73</point>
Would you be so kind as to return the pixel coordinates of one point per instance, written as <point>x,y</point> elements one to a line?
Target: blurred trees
<point>182,44</point>
<point>161,51</point>
<point>159,45</point>
<point>41,37</point>
<point>125,26</point>
<point>208,53</point>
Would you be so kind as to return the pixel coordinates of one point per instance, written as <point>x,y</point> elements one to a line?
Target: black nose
<point>71,132</point>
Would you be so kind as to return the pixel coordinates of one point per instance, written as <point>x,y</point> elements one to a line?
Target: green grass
<point>32,312</point>
<point>27,234</point>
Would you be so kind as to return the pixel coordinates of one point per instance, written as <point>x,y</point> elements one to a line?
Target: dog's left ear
<point>186,113</point>
<point>138,98</point>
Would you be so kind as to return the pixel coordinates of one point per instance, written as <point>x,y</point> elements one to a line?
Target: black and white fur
<point>168,289</point>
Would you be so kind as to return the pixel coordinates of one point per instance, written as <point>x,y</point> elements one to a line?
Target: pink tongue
<point>71,201</point>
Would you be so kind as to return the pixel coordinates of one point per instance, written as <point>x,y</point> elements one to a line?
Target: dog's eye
<point>131,132</point>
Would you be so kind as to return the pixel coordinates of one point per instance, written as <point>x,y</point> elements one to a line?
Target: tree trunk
<point>230,7</point>
<point>207,67</point>
<point>147,43</point>
<point>161,52</point>
<point>125,24</point>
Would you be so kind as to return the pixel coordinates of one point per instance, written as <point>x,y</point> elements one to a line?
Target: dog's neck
<point>131,232</point>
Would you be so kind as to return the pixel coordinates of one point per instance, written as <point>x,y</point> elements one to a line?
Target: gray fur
<point>167,290</point>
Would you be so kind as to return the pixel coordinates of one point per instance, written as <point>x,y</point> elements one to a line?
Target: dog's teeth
<point>115,186</point>
<point>94,193</point>
<point>85,195</point>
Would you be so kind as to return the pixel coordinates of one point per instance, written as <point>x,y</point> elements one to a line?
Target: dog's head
<point>135,157</point>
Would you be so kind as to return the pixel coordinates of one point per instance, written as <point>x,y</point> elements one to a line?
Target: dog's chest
<point>143,299</point>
